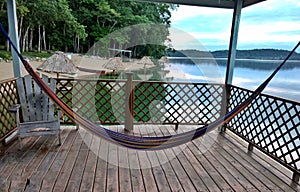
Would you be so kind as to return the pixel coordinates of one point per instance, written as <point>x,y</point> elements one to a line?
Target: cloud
<point>269,24</point>
<point>201,27</point>
<point>182,40</point>
<point>189,12</point>
<point>270,32</point>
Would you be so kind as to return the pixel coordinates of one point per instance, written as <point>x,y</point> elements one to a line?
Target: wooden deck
<point>86,163</point>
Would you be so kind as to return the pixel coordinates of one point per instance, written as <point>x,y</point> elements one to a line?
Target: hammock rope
<point>141,142</point>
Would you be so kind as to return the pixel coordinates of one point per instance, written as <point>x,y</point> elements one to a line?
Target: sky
<point>269,24</point>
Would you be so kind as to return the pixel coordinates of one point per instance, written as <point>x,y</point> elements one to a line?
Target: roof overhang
<point>229,4</point>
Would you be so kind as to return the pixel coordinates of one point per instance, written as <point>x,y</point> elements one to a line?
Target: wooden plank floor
<point>86,163</point>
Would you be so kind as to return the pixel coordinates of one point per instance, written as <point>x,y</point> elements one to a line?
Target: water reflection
<point>248,74</point>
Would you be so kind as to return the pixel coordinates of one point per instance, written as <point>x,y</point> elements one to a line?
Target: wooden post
<point>296,177</point>
<point>13,33</point>
<point>232,54</point>
<point>250,147</point>
<point>129,103</point>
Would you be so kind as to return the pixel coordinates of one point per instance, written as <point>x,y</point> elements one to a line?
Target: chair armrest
<point>14,109</point>
<point>15,112</point>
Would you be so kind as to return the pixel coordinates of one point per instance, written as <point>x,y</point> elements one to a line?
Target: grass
<point>7,54</point>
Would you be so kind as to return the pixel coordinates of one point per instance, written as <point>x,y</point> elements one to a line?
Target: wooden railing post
<point>296,177</point>
<point>250,147</point>
<point>225,106</point>
<point>129,103</point>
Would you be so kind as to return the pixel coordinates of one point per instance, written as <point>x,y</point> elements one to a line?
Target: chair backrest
<point>35,105</point>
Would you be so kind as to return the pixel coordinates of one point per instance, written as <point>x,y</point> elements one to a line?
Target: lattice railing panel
<point>8,97</point>
<point>110,102</point>
<point>100,101</point>
<point>153,102</point>
<point>177,103</point>
<point>149,102</point>
<point>270,124</point>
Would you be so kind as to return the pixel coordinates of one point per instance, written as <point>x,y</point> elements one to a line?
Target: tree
<point>75,25</point>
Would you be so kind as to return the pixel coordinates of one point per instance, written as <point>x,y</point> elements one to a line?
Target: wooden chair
<point>37,110</point>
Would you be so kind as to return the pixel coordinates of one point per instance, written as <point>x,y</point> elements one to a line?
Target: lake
<point>248,74</point>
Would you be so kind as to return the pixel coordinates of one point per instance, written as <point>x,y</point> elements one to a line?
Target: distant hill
<point>275,54</point>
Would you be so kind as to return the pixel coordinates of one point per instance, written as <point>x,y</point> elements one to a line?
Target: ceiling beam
<point>251,2</point>
<point>227,4</point>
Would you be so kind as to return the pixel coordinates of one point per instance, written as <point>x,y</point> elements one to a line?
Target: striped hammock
<point>138,142</point>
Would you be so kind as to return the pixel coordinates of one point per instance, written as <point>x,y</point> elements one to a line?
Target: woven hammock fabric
<point>136,142</point>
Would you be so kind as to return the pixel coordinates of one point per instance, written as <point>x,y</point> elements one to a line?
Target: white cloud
<point>186,12</point>
<point>182,40</point>
<point>262,25</point>
<point>269,32</point>
<point>272,5</point>
<point>202,40</point>
<point>211,35</point>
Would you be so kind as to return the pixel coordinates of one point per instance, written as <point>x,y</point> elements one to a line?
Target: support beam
<point>13,33</point>
<point>129,103</point>
<point>231,57</point>
<point>233,41</point>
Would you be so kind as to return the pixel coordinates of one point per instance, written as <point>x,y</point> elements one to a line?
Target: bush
<point>36,54</point>
<point>5,55</point>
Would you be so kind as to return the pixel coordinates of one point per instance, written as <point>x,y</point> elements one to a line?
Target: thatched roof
<point>114,64</point>
<point>58,63</point>
<point>145,61</point>
<point>163,59</point>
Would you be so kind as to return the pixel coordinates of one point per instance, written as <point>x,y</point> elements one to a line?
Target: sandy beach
<point>6,69</point>
<point>95,63</point>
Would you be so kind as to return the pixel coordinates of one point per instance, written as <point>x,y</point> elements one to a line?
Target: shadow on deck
<point>216,162</point>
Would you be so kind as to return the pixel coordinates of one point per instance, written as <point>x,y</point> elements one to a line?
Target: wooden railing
<point>270,124</point>
<point>151,102</point>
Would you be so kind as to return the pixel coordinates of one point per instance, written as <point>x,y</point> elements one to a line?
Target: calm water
<point>247,73</point>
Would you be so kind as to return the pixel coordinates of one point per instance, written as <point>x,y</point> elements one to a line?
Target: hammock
<point>136,142</point>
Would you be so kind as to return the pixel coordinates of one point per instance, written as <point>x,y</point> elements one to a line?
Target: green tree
<point>75,25</point>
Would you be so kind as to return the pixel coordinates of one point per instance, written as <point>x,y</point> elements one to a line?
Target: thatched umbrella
<point>58,63</point>
<point>146,61</point>
<point>163,60</point>
<point>114,64</point>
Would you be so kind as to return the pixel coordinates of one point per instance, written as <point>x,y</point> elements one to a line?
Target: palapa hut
<point>58,63</point>
<point>115,64</point>
<point>146,61</point>
<point>163,60</point>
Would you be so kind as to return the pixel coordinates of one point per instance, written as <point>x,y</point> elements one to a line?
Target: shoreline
<point>93,63</point>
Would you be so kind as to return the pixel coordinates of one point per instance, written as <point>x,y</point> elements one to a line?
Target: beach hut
<point>115,64</point>
<point>146,61</point>
<point>58,63</point>
<point>163,60</point>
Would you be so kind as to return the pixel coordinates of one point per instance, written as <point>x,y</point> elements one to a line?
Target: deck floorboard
<point>216,162</point>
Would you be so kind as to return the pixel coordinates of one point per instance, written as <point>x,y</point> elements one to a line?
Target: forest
<point>273,54</point>
<point>76,25</point>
